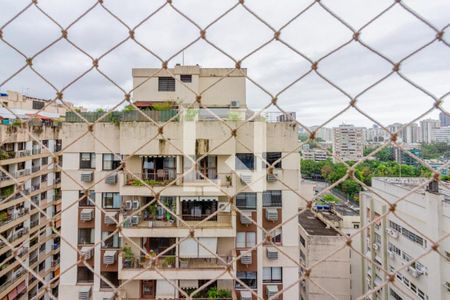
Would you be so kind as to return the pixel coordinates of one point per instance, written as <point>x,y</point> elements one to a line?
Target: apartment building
<point>315,154</point>
<point>396,240</point>
<point>219,246</point>
<point>330,272</point>
<point>348,142</point>
<point>441,135</point>
<point>28,207</point>
<point>426,130</point>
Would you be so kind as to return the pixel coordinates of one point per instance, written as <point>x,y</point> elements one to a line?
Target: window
<point>245,161</point>
<point>394,249</point>
<point>246,200</point>
<point>111,200</point>
<point>38,104</point>
<point>245,239</point>
<point>186,78</point>
<point>86,200</point>
<point>249,278</point>
<point>272,157</point>
<point>408,234</point>
<point>87,160</point>
<point>44,161</point>
<point>272,199</point>
<point>276,235</point>
<point>111,277</point>
<point>166,84</point>
<point>355,225</point>
<point>84,275</point>
<point>21,146</point>
<point>394,295</point>
<point>207,166</point>
<point>111,241</point>
<point>302,240</point>
<point>110,161</point>
<point>45,143</point>
<point>273,274</point>
<point>20,166</point>
<point>85,236</point>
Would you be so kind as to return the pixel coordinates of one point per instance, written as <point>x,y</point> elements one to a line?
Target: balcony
<point>7,217</point>
<point>161,177</point>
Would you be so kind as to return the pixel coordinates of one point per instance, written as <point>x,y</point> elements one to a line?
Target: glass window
<point>110,241</point>
<point>245,161</point>
<point>87,160</point>
<point>272,157</point>
<point>84,275</point>
<point>186,78</point>
<point>249,278</point>
<point>246,200</point>
<point>245,239</point>
<point>86,200</point>
<point>166,84</point>
<point>111,200</point>
<point>85,236</point>
<point>110,161</point>
<point>272,199</point>
<point>272,274</point>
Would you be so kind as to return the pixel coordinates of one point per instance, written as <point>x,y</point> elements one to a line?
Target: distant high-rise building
<point>323,133</point>
<point>399,239</point>
<point>348,142</point>
<point>440,135</point>
<point>426,128</point>
<point>30,196</point>
<point>444,119</point>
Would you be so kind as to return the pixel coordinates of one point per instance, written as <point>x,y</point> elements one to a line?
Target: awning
<point>12,295</point>
<point>188,284</point>
<point>21,287</point>
<point>194,198</point>
<point>273,289</point>
<point>188,248</point>
<point>205,198</point>
<point>164,289</point>
<point>210,243</point>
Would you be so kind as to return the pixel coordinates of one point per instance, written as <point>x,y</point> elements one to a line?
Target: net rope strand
<point>89,131</point>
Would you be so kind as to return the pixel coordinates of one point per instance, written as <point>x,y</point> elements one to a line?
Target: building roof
<point>345,210</point>
<point>314,226</point>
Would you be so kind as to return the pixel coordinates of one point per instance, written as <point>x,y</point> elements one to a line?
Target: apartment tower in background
<point>29,196</point>
<point>348,142</point>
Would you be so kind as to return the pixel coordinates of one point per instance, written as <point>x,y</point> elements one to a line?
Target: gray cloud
<point>275,66</point>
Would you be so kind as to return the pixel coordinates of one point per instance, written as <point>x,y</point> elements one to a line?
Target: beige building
<point>200,198</point>
<point>23,224</point>
<point>348,142</point>
<point>395,241</point>
<point>331,272</point>
<point>19,102</point>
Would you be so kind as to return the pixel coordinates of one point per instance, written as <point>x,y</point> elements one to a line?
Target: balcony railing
<point>175,262</point>
<point>159,178</point>
<point>14,216</point>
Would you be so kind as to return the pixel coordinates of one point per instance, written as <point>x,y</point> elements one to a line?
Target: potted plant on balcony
<point>152,210</point>
<point>128,256</point>
<point>3,216</point>
<point>228,180</point>
<point>169,261</point>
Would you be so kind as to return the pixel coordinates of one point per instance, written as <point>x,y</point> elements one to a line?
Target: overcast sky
<point>353,68</point>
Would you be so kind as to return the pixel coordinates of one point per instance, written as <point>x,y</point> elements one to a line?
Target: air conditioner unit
<point>87,252</point>
<point>109,257</point>
<point>246,178</point>
<point>246,258</point>
<point>375,247</point>
<point>224,207</point>
<point>272,253</point>
<point>135,220</point>
<point>86,214</point>
<point>87,177</point>
<point>246,295</point>
<point>128,205</point>
<point>393,233</point>
<point>84,294</point>
<point>414,272</point>
<point>235,104</point>
<point>271,214</point>
<point>271,177</point>
<point>246,218</point>
<point>111,179</point>
<point>136,204</point>
<point>271,290</point>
